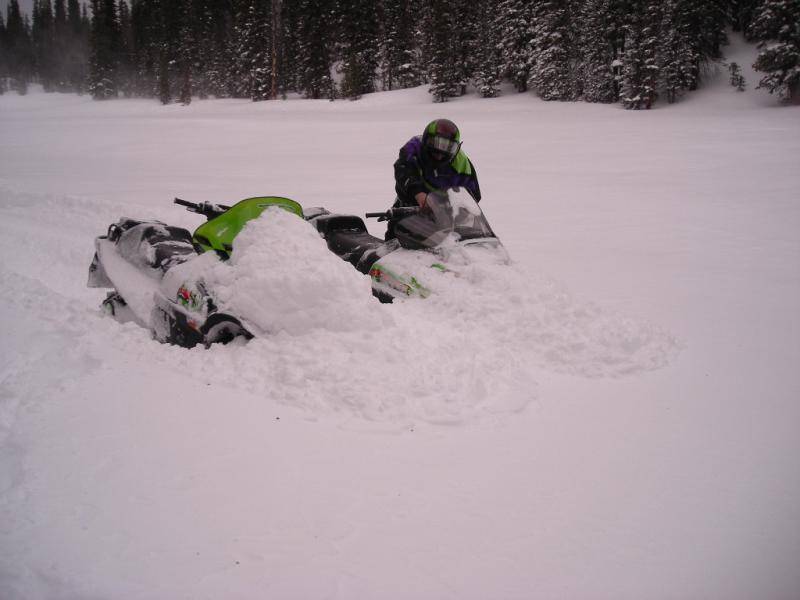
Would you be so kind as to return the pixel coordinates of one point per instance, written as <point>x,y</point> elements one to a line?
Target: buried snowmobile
<point>449,233</point>
<point>147,265</point>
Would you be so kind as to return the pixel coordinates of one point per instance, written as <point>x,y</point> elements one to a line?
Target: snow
<point>283,277</point>
<point>612,415</point>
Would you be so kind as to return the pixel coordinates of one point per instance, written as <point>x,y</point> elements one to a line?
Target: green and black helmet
<point>441,141</point>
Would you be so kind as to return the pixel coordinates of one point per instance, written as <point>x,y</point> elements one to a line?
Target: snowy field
<point>615,415</point>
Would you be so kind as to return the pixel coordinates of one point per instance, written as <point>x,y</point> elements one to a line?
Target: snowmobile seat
<point>348,238</point>
<point>353,246</point>
<point>152,243</point>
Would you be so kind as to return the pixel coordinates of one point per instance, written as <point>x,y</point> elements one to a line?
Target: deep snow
<point>613,415</point>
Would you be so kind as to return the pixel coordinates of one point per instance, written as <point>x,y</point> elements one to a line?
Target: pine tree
<point>144,48</point>
<point>164,83</point>
<point>517,41</point>
<point>253,50</point>
<point>640,62</point>
<point>469,21</point>
<point>19,49</point>
<point>173,69</point>
<point>314,49</point>
<point>400,62</point>
<point>677,59</point>
<point>61,39</point>
<point>776,26</point>
<point>741,15</point>
<point>76,55</point>
<point>359,47</point>
<point>704,24</point>
<point>489,63</point>
<point>212,26</point>
<point>3,55</point>
<point>736,78</point>
<point>43,36</point>
<point>105,44</point>
<point>187,51</point>
<point>600,55</point>
<point>443,69</point>
<point>552,75</point>
<point>127,66</point>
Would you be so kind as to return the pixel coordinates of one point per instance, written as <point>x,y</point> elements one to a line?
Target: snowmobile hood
<point>218,233</point>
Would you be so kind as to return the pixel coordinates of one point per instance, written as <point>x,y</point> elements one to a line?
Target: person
<point>431,162</point>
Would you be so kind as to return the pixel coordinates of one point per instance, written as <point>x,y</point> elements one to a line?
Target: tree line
<point>634,52</point>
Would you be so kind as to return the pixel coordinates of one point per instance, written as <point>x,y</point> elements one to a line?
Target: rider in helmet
<point>430,162</point>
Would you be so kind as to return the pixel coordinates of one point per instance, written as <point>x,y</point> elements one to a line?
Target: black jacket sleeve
<point>407,179</point>
<point>473,186</point>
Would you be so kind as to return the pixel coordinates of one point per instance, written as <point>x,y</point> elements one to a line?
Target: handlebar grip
<point>375,214</point>
<point>185,203</point>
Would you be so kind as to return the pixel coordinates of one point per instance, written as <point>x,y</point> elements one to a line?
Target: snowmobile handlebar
<point>207,209</point>
<point>397,212</point>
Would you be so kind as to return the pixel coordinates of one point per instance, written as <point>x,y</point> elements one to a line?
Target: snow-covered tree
<point>677,59</point>
<point>314,48</point>
<point>76,54</point>
<point>18,49</point>
<point>105,43</point>
<point>359,46</point>
<point>400,62</point>
<point>599,55</point>
<point>705,24</point>
<point>3,56</point>
<point>737,80</point>
<point>741,14</point>
<point>443,51</point>
<point>489,62</point>
<point>469,21</point>
<point>640,59</point>
<point>517,39</point>
<point>253,50</point>
<point>552,75</point>
<point>776,26</point>
<point>43,36</point>
<point>213,59</point>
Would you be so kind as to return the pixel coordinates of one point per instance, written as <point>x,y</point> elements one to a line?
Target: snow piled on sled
<point>281,277</point>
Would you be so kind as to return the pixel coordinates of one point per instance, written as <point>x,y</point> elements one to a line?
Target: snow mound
<point>282,277</point>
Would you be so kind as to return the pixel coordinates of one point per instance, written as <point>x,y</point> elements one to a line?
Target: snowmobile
<point>449,233</point>
<point>146,264</point>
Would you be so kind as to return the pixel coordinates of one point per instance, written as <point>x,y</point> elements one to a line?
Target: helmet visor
<point>443,145</point>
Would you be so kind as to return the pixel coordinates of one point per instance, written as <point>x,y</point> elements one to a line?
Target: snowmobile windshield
<point>454,215</point>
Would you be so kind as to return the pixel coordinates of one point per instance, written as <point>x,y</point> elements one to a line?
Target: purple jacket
<point>413,173</point>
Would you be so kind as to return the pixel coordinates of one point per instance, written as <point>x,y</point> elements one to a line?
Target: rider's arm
<point>472,186</point>
<point>408,181</point>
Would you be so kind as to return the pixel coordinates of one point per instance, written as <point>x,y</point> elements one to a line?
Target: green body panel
<point>218,233</point>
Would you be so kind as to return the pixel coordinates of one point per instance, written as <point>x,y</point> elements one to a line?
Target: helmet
<point>441,141</point>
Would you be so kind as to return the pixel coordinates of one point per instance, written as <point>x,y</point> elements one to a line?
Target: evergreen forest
<point>633,52</point>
